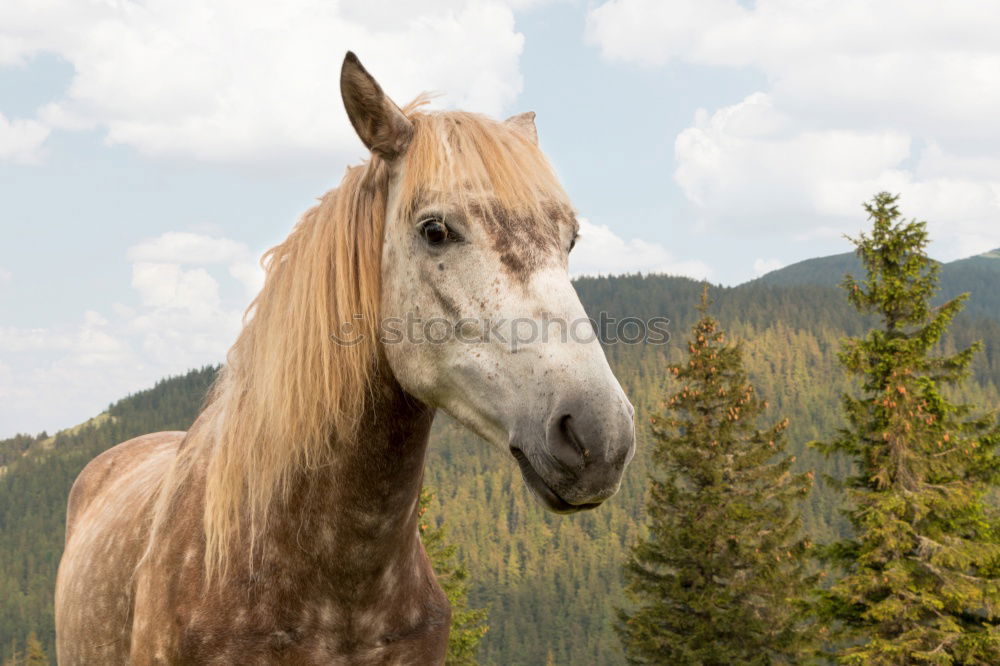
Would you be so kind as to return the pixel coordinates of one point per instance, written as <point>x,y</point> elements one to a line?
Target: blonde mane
<point>289,397</point>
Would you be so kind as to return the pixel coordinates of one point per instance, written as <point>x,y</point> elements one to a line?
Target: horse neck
<point>356,518</point>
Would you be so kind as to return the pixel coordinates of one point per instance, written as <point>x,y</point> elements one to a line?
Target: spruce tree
<point>720,577</point>
<point>34,653</point>
<point>920,579</point>
<point>468,625</point>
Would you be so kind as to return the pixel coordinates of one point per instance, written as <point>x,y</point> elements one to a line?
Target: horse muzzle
<point>581,458</point>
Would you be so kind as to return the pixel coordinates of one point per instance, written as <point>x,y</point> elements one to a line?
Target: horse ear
<point>382,127</point>
<point>526,123</point>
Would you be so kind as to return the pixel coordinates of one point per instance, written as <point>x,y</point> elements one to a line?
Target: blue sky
<point>150,151</point>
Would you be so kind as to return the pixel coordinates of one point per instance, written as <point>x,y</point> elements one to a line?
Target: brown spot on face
<point>523,241</point>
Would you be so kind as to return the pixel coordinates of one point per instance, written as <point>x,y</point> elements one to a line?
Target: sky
<point>151,151</point>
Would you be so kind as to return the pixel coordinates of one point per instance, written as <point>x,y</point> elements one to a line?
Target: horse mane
<point>289,397</point>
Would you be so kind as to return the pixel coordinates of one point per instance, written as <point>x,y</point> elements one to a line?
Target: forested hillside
<point>550,582</point>
<point>978,275</point>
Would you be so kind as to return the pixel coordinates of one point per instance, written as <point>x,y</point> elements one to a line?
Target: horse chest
<point>290,612</point>
<point>314,632</point>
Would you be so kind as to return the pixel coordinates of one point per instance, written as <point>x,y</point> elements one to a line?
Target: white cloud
<point>253,81</point>
<point>653,32</point>
<point>51,377</point>
<point>5,277</point>
<point>861,96</point>
<point>188,248</point>
<point>182,318</point>
<point>168,286</point>
<point>750,163</point>
<point>250,274</point>
<point>96,345</point>
<point>21,140</point>
<point>762,266</point>
<point>14,340</point>
<point>750,168</point>
<point>600,252</point>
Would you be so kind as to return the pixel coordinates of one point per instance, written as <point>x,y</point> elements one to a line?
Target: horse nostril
<point>566,446</point>
<point>566,428</point>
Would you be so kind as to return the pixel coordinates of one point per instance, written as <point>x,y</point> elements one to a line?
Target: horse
<point>282,527</point>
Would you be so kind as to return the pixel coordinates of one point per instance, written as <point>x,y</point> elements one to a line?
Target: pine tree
<point>920,579</point>
<point>721,575</point>
<point>34,653</point>
<point>468,625</point>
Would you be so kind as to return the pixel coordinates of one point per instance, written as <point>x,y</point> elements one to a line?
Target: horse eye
<point>436,232</point>
<point>572,243</point>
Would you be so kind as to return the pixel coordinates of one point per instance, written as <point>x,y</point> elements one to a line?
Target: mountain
<point>550,582</point>
<point>827,271</point>
<point>988,261</point>
<point>979,275</point>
